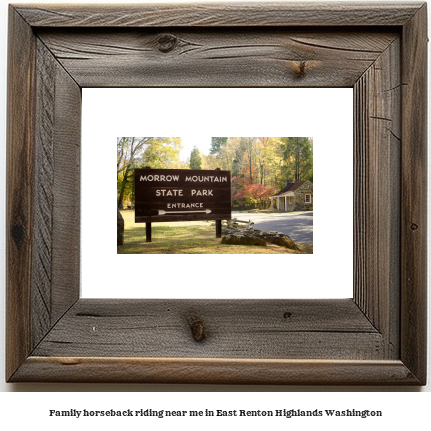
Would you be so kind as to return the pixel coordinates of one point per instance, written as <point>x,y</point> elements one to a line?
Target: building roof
<point>291,187</point>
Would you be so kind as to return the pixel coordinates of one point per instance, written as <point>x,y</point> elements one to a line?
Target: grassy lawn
<point>197,237</point>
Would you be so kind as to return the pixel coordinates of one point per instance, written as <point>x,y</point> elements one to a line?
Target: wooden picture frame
<point>378,337</point>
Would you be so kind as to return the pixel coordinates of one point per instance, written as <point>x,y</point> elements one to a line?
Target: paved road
<point>298,226</point>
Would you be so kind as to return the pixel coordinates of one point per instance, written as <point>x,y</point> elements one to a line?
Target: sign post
<point>218,228</point>
<point>148,231</point>
<point>181,195</point>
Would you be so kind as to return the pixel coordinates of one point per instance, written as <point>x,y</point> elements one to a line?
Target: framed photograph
<point>191,248</point>
<point>377,337</point>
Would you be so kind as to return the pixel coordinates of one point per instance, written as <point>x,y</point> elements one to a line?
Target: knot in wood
<point>167,42</point>
<point>18,233</point>
<point>197,327</point>
<point>414,226</point>
<point>300,69</point>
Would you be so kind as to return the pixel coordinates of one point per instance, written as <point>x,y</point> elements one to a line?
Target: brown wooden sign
<point>181,195</point>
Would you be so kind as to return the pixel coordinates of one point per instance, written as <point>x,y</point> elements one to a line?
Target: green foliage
<point>162,153</point>
<point>217,144</point>
<point>136,152</point>
<point>267,161</point>
<point>195,159</point>
<point>298,157</point>
<point>128,150</point>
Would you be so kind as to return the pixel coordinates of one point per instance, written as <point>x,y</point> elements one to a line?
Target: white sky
<point>202,143</point>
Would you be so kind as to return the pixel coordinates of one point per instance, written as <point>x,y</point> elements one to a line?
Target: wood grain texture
<point>216,58</point>
<point>20,198</point>
<point>234,329</point>
<point>216,14</point>
<point>216,371</point>
<point>66,208</point>
<point>377,148</point>
<point>414,195</point>
<point>55,278</point>
<point>43,162</point>
<point>369,340</point>
<point>43,193</point>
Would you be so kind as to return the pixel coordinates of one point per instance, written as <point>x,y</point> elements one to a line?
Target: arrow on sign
<point>162,212</point>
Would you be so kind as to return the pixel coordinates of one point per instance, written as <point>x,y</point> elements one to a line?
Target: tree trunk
<point>120,228</point>
<point>123,187</point>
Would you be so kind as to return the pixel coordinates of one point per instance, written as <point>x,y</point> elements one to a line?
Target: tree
<point>245,192</point>
<point>259,193</point>
<point>268,154</point>
<point>195,159</point>
<point>298,156</point>
<point>217,144</point>
<point>210,162</point>
<point>249,148</point>
<point>269,158</point>
<point>224,156</point>
<point>135,152</point>
<point>128,149</point>
<point>162,153</point>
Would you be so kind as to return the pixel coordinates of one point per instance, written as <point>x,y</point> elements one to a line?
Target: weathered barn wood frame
<point>378,337</point>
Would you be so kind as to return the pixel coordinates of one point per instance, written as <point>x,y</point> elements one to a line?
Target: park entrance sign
<point>181,195</point>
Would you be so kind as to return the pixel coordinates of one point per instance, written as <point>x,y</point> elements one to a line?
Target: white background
<point>324,114</point>
<point>403,408</point>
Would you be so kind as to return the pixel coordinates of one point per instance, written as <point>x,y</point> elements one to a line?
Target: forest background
<point>259,166</point>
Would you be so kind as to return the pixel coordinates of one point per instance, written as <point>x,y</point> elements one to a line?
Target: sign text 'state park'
<point>181,195</point>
